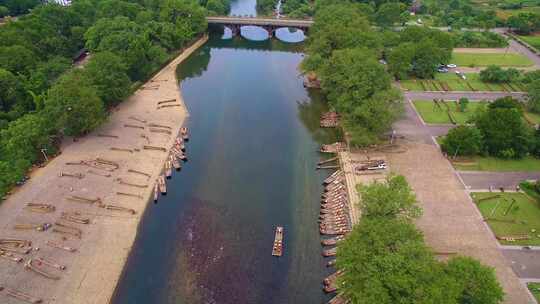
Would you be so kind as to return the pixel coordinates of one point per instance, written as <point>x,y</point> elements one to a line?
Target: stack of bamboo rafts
<point>334,218</point>
<point>177,153</point>
<point>330,120</point>
<point>333,148</point>
<point>334,223</point>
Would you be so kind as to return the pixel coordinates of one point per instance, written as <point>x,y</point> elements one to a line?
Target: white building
<point>61,2</point>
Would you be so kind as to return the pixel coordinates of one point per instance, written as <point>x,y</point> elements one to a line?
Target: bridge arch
<point>270,25</point>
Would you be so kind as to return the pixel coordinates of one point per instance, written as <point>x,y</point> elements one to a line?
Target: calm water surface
<point>252,157</point>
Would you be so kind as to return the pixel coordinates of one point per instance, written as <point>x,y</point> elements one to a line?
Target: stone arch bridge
<point>269,24</point>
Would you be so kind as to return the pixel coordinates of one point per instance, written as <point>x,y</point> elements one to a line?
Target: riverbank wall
<point>93,270</point>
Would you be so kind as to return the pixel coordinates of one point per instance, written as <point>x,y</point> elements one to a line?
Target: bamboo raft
<point>176,164</point>
<point>277,248</point>
<point>332,241</point>
<point>162,184</point>
<point>329,252</point>
<point>333,148</point>
<point>168,169</point>
<point>338,300</point>
<point>330,120</point>
<point>156,192</point>
<point>184,133</point>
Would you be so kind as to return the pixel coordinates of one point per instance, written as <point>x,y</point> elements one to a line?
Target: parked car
<point>442,70</point>
<point>451,66</point>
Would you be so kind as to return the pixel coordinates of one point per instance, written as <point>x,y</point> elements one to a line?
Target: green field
<point>478,163</point>
<point>500,59</point>
<point>451,82</point>
<point>433,114</point>
<point>535,290</point>
<point>522,217</point>
<point>532,40</point>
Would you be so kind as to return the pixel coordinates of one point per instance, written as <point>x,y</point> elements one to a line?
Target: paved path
<point>451,222</point>
<point>507,180</point>
<point>525,263</point>
<point>415,95</point>
<point>517,47</point>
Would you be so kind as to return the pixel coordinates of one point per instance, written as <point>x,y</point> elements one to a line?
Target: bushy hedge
<point>470,39</point>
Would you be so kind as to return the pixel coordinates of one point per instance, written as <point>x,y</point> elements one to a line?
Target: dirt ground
<point>451,223</point>
<point>94,269</point>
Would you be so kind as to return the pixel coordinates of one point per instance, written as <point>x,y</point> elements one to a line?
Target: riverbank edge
<point>173,64</point>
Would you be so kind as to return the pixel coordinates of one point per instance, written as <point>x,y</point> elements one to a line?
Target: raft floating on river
<point>277,249</point>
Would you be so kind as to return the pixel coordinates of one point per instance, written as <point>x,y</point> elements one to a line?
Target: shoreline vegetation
<point>43,98</point>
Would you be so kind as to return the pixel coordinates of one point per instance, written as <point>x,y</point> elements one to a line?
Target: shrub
<point>463,140</point>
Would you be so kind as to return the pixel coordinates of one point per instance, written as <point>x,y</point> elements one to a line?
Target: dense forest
<point>43,97</point>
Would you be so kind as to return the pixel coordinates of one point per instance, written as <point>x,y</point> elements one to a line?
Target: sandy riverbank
<point>94,270</point>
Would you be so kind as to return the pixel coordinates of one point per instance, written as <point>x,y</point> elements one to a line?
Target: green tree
<point>496,74</point>
<point>533,90</point>
<point>504,131</point>
<point>372,117</point>
<point>391,199</point>
<point>18,7</point>
<point>12,96</point>
<point>463,103</point>
<point>4,11</point>
<point>386,261</point>
<point>351,76</point>
<point>185,14</point>
<point>46,73</point>
<point>17,59</point>
<point>478,283</point>
<point>108,74</point>
<point>340,26</point>
<point>389,14</point>
<point>463,140</point>
<point>400,60</point>
<point>74,105</point>
<point>115,8</point>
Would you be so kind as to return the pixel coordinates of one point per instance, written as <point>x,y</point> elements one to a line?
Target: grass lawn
<point>432,114</point>
<point>500,59</point>
<point>535,290</point>
<point>532,40</point>
<point>452,82</point>
<point>478,163</point>
<point>532,117</point>
<point>510,219</point>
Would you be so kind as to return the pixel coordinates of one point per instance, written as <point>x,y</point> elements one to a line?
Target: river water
<point>252,156</point>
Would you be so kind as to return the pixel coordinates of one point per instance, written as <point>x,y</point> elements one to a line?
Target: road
<point>507,180</point>
<point>525,263</point>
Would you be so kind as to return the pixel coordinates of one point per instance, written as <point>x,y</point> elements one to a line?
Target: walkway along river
<point>254,136</point>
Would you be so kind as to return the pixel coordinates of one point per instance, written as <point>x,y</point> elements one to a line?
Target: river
<point>252,157</point>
